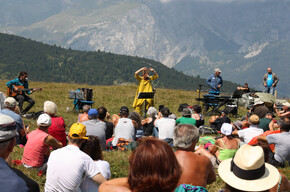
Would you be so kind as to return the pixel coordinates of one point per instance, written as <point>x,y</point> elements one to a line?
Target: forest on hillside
<point>51,63</point>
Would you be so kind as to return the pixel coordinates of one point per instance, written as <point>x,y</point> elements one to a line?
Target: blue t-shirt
<point>10,181</point>
<point>270,80</point>
<point>17,82</point>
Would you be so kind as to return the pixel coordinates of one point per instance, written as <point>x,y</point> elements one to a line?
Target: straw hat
<point>254,119</point>
<point>248,171</point>
<point>286,104</point>
<point>258,101</point>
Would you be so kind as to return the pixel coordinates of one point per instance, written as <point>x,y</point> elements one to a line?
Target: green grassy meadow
<point>111,97</point>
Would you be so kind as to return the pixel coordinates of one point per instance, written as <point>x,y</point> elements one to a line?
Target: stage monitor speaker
<point>88,94</point>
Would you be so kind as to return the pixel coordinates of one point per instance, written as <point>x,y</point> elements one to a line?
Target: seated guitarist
<point>21,83</point>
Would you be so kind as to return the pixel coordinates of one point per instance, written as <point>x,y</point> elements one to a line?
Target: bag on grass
<point>205,129</point>
<point>124,144</point>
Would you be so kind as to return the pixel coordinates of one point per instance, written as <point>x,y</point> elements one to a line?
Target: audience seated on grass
<point>57,127</point>
<point>67,166</point>
<point>224,148</point>
<point>11,179</point>
<point>96,127</point>
<point>93,148</point>
<point>164,127</point>
<point>285,112</point>
<point>124,127</point>
<point>84,116</point>
<point>37,148</point>
<point>265,122</point>
<point>135,116</point>
<point>197,115</point>
<point>152,167</point>
<point>186,117</point>
<point>247,171</point>
<point>216,121</point>
<point>10,105</point>
<point>281,155</point>
<point>259,108</point>
<point>196,169</point>
<point>103,115</point>
<point>284,183</point>
<point>148,123</point>
<point>246,135</point>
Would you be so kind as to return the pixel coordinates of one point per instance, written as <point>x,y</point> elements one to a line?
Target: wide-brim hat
<point>248,171</point>
<point>286,104</point>
<point>258,101</point>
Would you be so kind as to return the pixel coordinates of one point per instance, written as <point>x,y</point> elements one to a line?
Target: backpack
<point>205,129</point>
<point>124,144</point>
<point>190,188</point>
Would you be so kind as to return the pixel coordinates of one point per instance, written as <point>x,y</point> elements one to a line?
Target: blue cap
<point>93,112</point>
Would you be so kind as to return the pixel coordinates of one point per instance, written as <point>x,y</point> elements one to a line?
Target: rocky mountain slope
<point>242,37</point>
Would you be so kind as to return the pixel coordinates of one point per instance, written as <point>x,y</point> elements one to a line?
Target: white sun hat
<point>248,171</point>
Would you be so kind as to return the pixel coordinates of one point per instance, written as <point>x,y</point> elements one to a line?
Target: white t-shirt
<point>249,133</point>
<point>90,186</point>
<point>66,168</point>
<point>124,129</point>
<point>165,127</point>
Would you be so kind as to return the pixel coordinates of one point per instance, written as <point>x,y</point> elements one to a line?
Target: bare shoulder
<point>201,159</point>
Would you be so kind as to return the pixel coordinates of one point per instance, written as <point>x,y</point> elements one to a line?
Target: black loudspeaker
<point>88,94</point>
<point>230,110</point>
<point>238,93</point>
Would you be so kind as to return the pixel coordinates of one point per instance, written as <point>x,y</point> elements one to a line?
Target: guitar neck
<point>25,89</point>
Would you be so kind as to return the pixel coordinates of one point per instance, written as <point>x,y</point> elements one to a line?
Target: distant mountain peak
<point>193,36</point>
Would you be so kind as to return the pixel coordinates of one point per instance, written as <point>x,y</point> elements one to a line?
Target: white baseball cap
<point>44,120</point>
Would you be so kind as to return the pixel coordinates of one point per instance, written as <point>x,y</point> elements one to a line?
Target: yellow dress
<point>144,86</point>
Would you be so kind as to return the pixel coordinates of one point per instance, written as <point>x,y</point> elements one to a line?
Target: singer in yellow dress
<point>144,86</point>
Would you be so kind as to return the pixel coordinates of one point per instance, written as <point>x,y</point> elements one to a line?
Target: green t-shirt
<point>264,123</point>
<point>186,120</point>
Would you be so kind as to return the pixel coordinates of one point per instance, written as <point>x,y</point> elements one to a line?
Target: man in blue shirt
<point>14,84</point>
<point>215,82</point>
<point>270,81</point>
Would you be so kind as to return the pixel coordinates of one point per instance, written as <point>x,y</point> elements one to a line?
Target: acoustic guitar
<point>12,92</point>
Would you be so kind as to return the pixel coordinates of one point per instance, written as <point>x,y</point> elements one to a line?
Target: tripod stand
<point>199,90</point>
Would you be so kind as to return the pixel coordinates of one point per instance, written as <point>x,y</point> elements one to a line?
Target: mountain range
<point>50,63</point>
<point>241,37</point>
